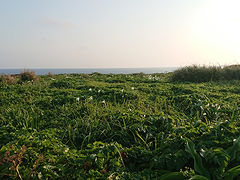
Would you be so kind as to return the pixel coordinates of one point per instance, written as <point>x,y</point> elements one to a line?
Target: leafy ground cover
<point>138,126</point>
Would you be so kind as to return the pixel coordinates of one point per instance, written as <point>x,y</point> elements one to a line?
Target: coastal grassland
<point>136,126</point>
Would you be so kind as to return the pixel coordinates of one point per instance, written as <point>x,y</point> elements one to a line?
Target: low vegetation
<point>28,76</point>
<point>8,79</point>
<point>206,73</point>
<point>137,126</point>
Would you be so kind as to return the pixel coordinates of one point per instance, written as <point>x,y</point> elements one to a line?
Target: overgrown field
<point>135,126</point>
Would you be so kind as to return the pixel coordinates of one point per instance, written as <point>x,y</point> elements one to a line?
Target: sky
<point>118,33</point>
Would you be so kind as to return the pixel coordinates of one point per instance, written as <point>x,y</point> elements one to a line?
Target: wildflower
<point>103,101</point>
<point>90,89</point>
<point>202,150</point>
<point>130,109</point>
<point>77,99</point>
<point>132,88</point>
<point>90,98</point>
<point>53,79</point>
<point>122,90</point>
<point>99,91</point>
<point>66,150</point>
<point>204,114</point>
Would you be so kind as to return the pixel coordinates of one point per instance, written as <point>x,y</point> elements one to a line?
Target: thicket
<point>206,73</point>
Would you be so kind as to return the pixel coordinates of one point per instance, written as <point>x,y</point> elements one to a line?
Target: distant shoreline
<point>44,71</point>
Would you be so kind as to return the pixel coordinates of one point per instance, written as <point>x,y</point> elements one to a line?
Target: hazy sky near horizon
<point>118,33</point>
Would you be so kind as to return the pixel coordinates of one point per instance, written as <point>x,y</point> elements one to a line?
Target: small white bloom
<point>204,114</point>
<point>90,89</point>
<point>99,91</point>
<point>103,101</point>
<point>53,79</point>
<point>122,90</point>
<point>130,109</point>
<point>132,88</point>
<point>66,150</point>
<point>202,150</point>
<point>90,97</point>
<point>77,99</point>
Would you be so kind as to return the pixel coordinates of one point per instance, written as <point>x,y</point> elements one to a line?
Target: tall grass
<point>8,79</point>
<point>206,73</point>
<point>28,76</point>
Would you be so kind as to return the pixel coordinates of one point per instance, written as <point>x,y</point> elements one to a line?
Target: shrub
<point>198,74</point>
<point>231,72</point>
<point>8,79</point>
<point>51,75</point>
<point>28,76</point>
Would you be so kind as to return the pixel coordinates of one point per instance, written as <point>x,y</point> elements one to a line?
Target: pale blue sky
<point>118,33</point>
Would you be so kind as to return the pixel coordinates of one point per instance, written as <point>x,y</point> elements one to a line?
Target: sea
<point>45,71</point>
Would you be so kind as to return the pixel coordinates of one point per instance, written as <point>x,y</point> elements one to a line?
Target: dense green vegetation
<point>135,126</point>
<point>206,73</point>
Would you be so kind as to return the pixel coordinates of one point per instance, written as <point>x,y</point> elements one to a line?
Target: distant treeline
<point>206,73</point>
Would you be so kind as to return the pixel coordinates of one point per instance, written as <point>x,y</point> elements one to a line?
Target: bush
<point>28,76</point>
<point>231,72</point>
<point>8,79</point>
<point>205,74</point>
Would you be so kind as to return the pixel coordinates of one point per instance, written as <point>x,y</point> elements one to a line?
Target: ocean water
<point>89,71</point>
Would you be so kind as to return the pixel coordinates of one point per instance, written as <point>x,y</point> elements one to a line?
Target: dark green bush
<point>206,73</point>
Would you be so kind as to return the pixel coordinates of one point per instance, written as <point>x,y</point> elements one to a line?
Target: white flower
<point>103,101</point>
<point>66,150</point>
<point>99,91</point>
<point>77,99</point>
<point>204,114</point>
<point>130,109</point>
<point>132,88</point>
<point>90,89</point>
<point>53,79</point>
<point>122,90</point>
<point>90,97</point>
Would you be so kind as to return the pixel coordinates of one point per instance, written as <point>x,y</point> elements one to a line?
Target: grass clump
<point>28,76</point>
<point>206,73</point>
<point>8,79</point>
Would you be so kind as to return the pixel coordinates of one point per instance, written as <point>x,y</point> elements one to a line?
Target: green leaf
<point>173,176</point>
<point>231,173</point>
<point>198,177</point>
<point>198,165</point>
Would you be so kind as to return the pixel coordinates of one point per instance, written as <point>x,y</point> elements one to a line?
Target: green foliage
<point>135,126</point>
<point>205,74</point>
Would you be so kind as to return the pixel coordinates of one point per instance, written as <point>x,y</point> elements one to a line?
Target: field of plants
<point>134,126</point>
